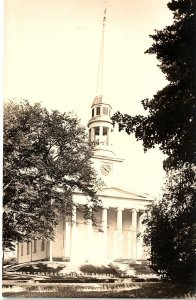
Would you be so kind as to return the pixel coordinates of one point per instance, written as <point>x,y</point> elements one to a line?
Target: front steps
<point>81,272</point>
<point>134,269</point>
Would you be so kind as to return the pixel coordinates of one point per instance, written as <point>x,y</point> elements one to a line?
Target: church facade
<point>119,228</point>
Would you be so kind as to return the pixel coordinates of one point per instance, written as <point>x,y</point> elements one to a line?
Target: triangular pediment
<point>123,192</point>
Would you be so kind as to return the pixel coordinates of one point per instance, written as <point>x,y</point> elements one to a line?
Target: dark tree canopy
<point>171,227</point>
<point>46,158</point>
<point>170,122</point>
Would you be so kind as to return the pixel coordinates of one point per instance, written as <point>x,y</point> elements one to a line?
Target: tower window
<point>105,110</point>
<point>105,130</point>
<point>21,249</point>
<point>35,246</point>
<point>97,130</point>
<point>98,110</point>
<point>93,111</point>
<point>28,247</point>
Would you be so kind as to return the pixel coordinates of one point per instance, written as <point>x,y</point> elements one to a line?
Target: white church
<point>119,233</point>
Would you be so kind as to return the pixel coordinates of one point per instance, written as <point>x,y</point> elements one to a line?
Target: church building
<point>118,234</point>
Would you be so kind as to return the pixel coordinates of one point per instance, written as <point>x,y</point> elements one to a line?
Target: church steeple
<point>100,124</point>
<point>100,127</point>
<point>100,74</point>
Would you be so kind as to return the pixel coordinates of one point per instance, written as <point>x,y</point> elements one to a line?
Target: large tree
<point>46,158</point>
<point>170,123</point>
<point>171,227</point>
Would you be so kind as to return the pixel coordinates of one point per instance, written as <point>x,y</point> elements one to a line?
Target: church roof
<point>122,191</point>
<point>97,100</point>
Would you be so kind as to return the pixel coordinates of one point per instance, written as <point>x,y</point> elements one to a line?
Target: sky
<point>51,54</point>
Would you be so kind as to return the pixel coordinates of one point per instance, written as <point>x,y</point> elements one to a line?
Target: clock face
<point>106,169</point>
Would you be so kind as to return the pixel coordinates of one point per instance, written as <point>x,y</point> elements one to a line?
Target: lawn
<point>116,290</point>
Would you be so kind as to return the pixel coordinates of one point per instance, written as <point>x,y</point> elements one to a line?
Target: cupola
<point>100,124</point>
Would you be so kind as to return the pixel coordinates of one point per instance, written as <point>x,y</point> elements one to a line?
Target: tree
<point>170,123</point>
<point>46,158</point>
<point>171,225</point>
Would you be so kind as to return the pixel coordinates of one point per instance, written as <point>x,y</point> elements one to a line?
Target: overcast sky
<point>51,55</point>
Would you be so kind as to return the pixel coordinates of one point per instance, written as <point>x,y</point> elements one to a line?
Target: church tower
<point>100,131</point>
<point>100,126</point>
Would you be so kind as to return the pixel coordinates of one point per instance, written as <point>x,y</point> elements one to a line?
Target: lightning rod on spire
<point>99,88</point>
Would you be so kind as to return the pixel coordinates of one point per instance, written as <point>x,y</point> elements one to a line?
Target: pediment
<point>123,192</point>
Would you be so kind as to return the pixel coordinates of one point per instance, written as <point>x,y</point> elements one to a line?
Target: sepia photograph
<point>99,149</point>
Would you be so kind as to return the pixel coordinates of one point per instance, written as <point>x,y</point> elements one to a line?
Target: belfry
<point>100,125</point>
<point>118,234</point>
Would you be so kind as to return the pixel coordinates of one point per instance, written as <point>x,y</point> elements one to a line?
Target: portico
<point>117,233</point>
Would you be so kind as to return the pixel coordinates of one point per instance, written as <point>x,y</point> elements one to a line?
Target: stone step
<point>132,268</point>
<point>53,270</point>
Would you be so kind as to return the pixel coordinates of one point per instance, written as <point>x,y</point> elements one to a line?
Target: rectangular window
<point>42,245</point>
<point>105,130</point>
<point>97,130</point>
<point>105,110</point>
<point>35,246</point>
<point>21,250</point>
<point>93,113</point>
<point>98,111</point>
<point>28,248</point>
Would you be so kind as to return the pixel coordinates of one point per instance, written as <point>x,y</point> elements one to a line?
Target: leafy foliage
<point>170,123</point>
<point>171,227</point>
<point>46,158</point>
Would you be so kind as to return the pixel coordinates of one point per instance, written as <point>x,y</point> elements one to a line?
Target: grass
<point>123,290</point>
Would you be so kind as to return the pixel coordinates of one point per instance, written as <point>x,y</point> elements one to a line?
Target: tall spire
<point>100,125</point>
<point>99,87</point>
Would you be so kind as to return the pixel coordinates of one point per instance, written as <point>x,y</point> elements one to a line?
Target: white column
<point>67,238</point>
<point>129,244</point>
<point>119,233</point>
<point>134,234</point>
<point>105,229</point>
<point>90,241</point>
<point>101,131</point>
<point>50,255</point>
<point>73,254</point>
<point>92,134</point>
<point>108,136</point>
